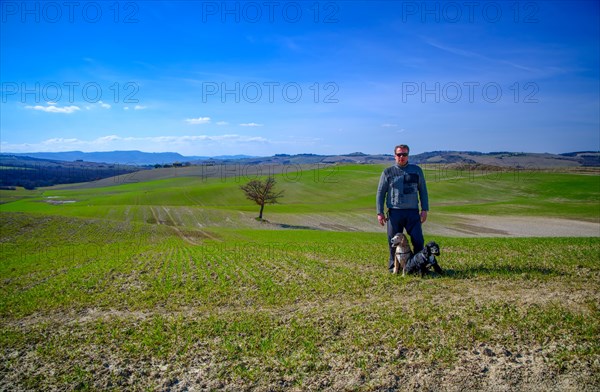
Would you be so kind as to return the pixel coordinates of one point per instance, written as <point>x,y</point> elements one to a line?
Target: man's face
<point>401,156</point>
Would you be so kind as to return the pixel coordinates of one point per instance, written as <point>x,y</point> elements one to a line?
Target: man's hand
<point>423,216</point>
<point>381,219</point>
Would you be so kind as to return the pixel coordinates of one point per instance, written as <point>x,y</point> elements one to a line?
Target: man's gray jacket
<point>402,188</point>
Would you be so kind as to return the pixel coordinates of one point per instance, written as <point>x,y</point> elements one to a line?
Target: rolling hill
<point>328,197</point>
<point>132,157</point>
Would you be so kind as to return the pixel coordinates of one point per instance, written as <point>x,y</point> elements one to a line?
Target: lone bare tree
<point>262,192</point>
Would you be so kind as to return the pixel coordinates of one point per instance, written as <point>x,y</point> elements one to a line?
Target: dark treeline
<point>34,176</point>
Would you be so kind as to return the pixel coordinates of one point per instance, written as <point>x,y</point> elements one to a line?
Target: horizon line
<point>287,154</point>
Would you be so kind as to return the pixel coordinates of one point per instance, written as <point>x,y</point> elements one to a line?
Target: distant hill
<point>502,159</point>
<point>499,159</point>
<point>511,159</point>
<point>113,157</point>
<point>304,159</point>
<point>133,157</point>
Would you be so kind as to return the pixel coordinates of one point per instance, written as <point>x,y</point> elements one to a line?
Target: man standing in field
<point>403,187</point>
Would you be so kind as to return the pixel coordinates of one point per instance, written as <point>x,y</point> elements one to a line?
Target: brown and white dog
<point>403,252</point>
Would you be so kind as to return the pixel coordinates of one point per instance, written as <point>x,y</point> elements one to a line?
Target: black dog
<point>425,259</point>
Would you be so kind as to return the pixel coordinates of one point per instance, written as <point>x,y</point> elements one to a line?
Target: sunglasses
<point>402,154</point>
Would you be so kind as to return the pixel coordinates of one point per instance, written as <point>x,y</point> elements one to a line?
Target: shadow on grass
<point>472,272</point>
<point>296,227</point>
<point>286,226</point>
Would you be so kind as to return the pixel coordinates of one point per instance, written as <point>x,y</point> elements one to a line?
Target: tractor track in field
<point>192,237</point>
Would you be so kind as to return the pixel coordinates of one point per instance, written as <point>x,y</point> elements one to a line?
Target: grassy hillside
<point>345,193</point>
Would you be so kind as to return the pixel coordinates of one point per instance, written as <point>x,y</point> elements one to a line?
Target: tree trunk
<point>262,207</point>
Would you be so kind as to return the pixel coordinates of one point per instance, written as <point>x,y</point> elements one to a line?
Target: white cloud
<point>199,120</point>
<point>220,123</point>
<point>52,108</point>
<point>251,125</point>
<point>104,105</point>
<point>140,107</point>
<point>387,125</point>
<point>59,141</point>
<point>108,139</point>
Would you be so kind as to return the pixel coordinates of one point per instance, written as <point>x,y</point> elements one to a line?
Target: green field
<point>171,284</point>
<point>337,192</point>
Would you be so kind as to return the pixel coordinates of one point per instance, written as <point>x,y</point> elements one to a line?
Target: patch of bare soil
<point>447,225</point>
<point>195,236</point>
<point>336,227</point>
<point>481,368</point>
<point>512,226</point>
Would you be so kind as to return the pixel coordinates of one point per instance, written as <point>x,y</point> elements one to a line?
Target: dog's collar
<point>403,253</point>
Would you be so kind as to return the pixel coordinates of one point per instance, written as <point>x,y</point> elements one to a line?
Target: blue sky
<point>267,77</point>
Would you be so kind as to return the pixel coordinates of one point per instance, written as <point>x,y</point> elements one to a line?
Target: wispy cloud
<point>199,120</point>
<point>252,124</point>
<point>59,140</point>
<point>52,108</point>
<point>140,107</point>
<point>475,55</point>
<point>98,104</point>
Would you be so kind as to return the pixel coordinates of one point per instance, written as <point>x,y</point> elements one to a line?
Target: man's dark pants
<point>398,220</point>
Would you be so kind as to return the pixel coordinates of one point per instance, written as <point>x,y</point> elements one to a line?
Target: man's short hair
<point>401,146</point>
